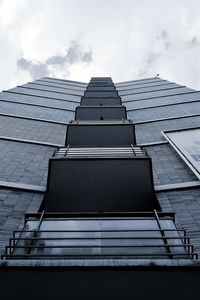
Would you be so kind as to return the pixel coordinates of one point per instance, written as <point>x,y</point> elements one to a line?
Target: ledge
<point>177,186</point>
<point>23,186</point>
<point>100,263</point>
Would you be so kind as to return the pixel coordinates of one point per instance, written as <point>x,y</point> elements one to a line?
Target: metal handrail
<point>19,239</point>
<point>184,239</point>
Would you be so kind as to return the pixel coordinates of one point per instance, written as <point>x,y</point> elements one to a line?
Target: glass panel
<point>28,99</point>
<point>165,112</point>
<point>161,93</point>
<point>143,81</point>
<point>63,81</point>
<point>132,237</point>
<point>189,151</point>
<point>162,101</point>
<point>59,84</point>
<point>50,88</point>
<point>45,94</point>
<point>37,112</point>
<point>40,131</point>
<point>148,89</point>
<point>141,85</point>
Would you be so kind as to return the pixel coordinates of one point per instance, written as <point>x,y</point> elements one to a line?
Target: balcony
<point>149,235</point>
<point>100,79</point>
<point>101,84</point>
<point>89,101</point>
<point>83,133</point>
<point>103,88</point>
<point>94,179</point>
<point>100,113</point>
<point>101,94</point>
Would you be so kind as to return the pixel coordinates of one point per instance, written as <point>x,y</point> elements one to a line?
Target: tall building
<point>100,190</point>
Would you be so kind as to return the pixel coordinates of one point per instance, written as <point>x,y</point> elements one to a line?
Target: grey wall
<point>27,163</point>
<point>168,167</point>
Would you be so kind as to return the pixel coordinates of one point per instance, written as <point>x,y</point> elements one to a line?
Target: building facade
<point>99,190</point>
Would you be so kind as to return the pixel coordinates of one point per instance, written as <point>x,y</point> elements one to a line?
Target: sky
<point>77,39</point>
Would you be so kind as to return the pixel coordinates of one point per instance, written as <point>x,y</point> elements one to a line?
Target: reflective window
<point>187,144</point>
<point>49,88</point>
<point>147,89</point>
<point>54,95</point>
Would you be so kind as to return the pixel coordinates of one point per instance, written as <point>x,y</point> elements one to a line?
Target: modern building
<point>99,190</point>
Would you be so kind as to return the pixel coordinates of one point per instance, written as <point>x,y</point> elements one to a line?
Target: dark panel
<point>100,113</point>
<point>101,88</point>
<point>100,283</point>
<point>100,134</point>
<point>93,185</point>
<point>100,84</point>
<point>101,94</point>
<point>101,101</point>
<point>101,79</point>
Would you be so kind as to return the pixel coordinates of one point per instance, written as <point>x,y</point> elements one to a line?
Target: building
<point>100,190</point>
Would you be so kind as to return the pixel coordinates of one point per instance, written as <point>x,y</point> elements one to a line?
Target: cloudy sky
<point>77,39</point>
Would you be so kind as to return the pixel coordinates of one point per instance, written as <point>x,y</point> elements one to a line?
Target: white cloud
<point>49,67</point>
<point>127,39</point>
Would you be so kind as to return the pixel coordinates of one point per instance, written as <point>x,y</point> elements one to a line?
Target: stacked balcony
<point>101,119</point>
<point>101,169</point>
<point>100,200</point>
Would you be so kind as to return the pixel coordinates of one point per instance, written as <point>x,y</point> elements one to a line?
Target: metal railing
<point>81,152</point>
<point>101,122</point>
<point>97,243</point>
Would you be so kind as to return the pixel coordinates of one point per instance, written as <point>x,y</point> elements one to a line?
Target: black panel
<point>100,283</point>
<point>100,101</point>
<point>94,185</point>
<point>100,113</point>
<point>101,88</point>
<point>101,79</point>
<point>101,94</point>
<point>100,84</point>
<point>100,134</point>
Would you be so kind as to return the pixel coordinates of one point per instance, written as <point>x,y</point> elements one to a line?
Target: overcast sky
<point>77,39</point>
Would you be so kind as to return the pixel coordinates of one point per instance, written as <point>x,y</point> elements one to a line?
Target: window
<point>186,142</point>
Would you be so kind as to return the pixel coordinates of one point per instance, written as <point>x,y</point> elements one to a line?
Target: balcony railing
<point>83,152</point>
<point>100,236</point>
